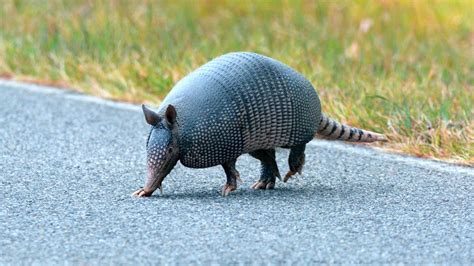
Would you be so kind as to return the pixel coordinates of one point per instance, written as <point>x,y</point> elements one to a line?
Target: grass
<point>405,68</point>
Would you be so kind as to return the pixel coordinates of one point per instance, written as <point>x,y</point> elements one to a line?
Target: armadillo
<point>238,103</point>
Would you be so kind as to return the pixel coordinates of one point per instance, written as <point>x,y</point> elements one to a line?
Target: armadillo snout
<point>162,156</point>
<point>156,157</point>
<point>156,164</point>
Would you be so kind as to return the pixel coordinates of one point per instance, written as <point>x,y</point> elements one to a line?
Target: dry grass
<point>400,67</point>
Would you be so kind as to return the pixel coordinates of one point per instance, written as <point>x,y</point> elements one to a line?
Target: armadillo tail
<point>331,129</point>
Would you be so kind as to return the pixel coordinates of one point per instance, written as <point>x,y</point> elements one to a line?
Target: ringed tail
<point>331,129</point>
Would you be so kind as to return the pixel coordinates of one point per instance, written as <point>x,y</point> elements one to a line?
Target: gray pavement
<point>69,162</point>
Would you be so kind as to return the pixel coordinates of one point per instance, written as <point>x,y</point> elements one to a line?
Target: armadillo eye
<point>170,150</point>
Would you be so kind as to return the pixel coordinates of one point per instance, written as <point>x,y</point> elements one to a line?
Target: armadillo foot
<point>232,176</point>
<point>227,188</point>
<point>141,193</point>
<point>263,185</point>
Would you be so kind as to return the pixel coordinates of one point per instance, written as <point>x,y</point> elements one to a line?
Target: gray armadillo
<point>235,104</point>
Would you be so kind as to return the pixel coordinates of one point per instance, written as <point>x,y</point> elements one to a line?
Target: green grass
<point>405,68</point>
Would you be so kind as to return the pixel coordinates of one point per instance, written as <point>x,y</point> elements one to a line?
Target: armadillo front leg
<point>232,177</point>
<point>269,169</point>
<point>296,161</point>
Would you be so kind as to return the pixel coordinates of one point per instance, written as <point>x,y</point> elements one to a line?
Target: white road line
<point>378,153</point>
<point>68,94</point>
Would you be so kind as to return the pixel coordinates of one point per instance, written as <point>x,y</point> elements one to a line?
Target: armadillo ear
<point>170,114</point>
<point>151,117</point>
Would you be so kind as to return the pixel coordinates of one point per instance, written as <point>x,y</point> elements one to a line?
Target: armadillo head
<point>162,147</point>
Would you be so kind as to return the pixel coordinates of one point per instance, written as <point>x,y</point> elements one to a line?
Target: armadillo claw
<point>141,193</point>
<point>270,185</point>
<point>255,185</point>
<point>288,175</point>
<point>263,185</point>
<point>226,189</point>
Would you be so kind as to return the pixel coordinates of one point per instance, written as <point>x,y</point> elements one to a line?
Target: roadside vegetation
<point>405,68</point>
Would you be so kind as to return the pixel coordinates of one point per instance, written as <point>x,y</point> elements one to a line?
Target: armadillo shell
<point>238,103</point>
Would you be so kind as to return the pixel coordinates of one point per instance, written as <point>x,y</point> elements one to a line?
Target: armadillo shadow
<point>279,193</point>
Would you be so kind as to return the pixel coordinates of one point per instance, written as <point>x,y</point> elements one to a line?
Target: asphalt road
<point>68,164</point>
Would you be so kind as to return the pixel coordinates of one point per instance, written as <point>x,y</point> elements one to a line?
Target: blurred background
<point>405,68</point>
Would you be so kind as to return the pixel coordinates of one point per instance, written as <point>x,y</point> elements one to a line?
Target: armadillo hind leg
<point>269,169</point>
<point>232,177</point>
<point>296,161</point>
